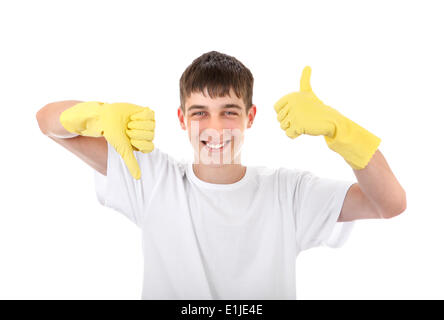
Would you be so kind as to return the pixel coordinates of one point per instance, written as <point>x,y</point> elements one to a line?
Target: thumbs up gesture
<point>303,113</point>
<point>127,127</point>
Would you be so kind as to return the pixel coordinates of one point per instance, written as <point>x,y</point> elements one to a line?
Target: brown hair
<point>218,73</point>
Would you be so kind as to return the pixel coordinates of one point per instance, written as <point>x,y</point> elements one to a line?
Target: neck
<point>220,174</point>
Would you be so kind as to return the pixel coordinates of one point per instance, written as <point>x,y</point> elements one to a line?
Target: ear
<point>181,117</point>
<point>251,115</point>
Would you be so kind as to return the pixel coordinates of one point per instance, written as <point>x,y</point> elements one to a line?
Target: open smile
<point>215,147</point>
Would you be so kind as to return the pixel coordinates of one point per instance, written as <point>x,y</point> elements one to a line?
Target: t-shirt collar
<point>218,186</point>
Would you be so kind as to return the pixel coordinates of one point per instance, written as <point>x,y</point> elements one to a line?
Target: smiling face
<point>216,127</point>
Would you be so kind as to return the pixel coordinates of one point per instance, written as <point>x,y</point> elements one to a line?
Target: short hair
<point>218,73</point>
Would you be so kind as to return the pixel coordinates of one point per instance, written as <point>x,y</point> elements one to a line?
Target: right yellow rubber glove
<point>303,113</point>
<point>127,127</point>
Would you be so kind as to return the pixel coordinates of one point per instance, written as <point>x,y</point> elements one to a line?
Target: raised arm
<point>378,193</point>
<point>92,150</point>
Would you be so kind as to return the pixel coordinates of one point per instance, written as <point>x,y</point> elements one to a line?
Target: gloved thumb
<point>305,82</point>
<point>305,79</point>
<point>126,152</point>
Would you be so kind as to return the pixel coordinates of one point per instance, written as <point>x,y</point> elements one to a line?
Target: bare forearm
<point>380,186</point>
<point>48,119</point>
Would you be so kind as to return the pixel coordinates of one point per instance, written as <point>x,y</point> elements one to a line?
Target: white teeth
<point>215,146</point>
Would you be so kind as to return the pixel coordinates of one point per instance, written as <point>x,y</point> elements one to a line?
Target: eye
<point>231,113</point>
<point>197,113</point>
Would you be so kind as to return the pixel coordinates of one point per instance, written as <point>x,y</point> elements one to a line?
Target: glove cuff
<point>354,143</point>
<point>83,119</point>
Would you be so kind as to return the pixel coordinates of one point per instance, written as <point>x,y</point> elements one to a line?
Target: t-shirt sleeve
<point>317,204</point>
<point>120,191</point>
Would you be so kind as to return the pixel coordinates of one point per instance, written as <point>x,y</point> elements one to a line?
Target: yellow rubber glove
<point>127,127</point>
<point>303,113</point>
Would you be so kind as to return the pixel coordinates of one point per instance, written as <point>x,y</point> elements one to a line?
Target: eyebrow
<point>225,106</point>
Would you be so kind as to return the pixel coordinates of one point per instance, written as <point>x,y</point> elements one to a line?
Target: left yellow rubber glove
<point>303,113</point>
<point>127,127</point>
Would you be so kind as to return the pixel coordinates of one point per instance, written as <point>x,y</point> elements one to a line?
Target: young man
<point>215,229</point>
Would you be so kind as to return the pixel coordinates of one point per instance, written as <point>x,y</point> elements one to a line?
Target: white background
<point>379,63</point>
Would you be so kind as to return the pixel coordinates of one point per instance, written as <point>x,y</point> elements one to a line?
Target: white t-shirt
<point>223,241</point>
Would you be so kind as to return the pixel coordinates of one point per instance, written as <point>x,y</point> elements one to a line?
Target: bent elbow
<point>399,208</point>
<point>41,122</point>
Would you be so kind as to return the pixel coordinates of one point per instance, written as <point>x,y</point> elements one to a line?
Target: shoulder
<point>282,178</point>
<point>159,162</point>
<point>278,172</point>
<point>293,177</point>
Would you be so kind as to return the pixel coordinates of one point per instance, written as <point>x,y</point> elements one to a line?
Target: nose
<point>215,131</point>
<point>216,124</point>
